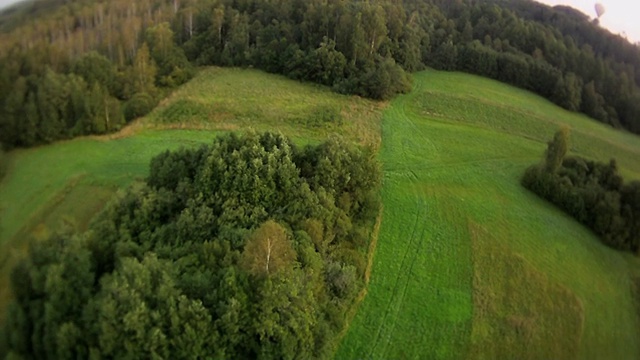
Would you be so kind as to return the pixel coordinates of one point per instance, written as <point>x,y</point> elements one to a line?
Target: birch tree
<point>268,250</point>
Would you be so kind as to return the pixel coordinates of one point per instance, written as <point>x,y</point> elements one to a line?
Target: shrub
<point>139,105</point>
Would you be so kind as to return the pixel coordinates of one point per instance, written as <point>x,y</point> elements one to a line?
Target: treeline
<point>356,47</point>
<point>89,95</point>
<point>247,248</point>
<point>593,193</point>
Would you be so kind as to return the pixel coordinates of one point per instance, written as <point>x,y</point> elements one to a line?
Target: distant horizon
<point>620,16</point>
<point>5,3</point>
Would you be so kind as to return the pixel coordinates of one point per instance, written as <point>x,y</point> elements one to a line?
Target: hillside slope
<point>468,263</point>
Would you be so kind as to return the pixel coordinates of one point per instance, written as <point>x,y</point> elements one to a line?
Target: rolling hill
<point>468,263</point>
<point>471,265</point>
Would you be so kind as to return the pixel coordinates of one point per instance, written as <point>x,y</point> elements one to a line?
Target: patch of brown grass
<point>519,313</point>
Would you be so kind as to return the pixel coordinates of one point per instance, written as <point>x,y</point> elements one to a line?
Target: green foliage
<point>173,67</point>
<point>139,105</point>
<point>591,192</point>
<point>556,150</point>
<point>568,92</point>
<point>204,254</point>
<point>378,80</point>
<point>144,71</point>
<point>268,251</point>
<point>95,68</point>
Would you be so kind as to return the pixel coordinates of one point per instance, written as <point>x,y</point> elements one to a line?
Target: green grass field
<point>232,99</point>
<point>468,263</point>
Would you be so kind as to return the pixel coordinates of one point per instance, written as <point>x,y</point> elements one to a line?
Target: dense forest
<point>246,248</point>
<point>592,192</point>
<point>89,66</point>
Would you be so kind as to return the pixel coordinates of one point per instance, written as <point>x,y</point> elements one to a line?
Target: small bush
<point>139,105</point>
<point>593,193</point>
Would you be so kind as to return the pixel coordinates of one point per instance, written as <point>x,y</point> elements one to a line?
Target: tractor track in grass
<point>422,302</point>
<point>403,279</point>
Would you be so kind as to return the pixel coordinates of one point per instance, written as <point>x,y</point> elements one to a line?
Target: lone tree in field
<point>556,150</point>
<point>268,250</point>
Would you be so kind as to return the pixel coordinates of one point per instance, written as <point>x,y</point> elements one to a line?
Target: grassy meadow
<point>232,99</point>
<point>468,263</point>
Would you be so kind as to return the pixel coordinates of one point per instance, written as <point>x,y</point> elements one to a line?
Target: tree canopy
<point>246,248</point>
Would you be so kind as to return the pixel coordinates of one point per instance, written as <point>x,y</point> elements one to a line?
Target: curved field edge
<point>468,263</point>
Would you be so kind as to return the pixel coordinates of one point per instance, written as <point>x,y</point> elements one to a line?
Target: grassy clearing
<point>468,263</point>
<point>230,99</point>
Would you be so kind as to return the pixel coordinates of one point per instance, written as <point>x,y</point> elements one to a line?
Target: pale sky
<point>622,16</point>
<point>4,3</point>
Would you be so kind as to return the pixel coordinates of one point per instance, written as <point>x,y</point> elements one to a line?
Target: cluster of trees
<point>88,94</point>
<point>592,192</point>
<point>357,47</point>
<point>246,248</point>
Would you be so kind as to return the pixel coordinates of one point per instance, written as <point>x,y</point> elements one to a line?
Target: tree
<point>51,100</point>
<point>173,67</point>
<point>139,105</point>
<point>326,64</point>
<point>568,92</point>
<point>103,113</point>
<point>593,193</point>
<point>285,317</point>
<point>141,313</point>
<point>144,72</point>
<point>268,250</point>
<point>14,108</point>
<point>95,68</point>
<point>556,150</point>
<point>375,27</point>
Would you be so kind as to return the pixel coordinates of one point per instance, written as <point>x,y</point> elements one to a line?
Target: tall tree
<point>144,72</point>
<point>268,250</point>
<point>556,150</point>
